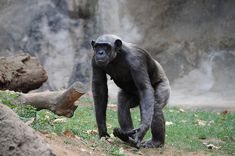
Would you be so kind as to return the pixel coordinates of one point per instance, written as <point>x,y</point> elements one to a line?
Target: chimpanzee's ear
<point>93,43</point>
<point>118,44</point>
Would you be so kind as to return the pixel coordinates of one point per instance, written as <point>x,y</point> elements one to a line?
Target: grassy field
<point>195,131</point>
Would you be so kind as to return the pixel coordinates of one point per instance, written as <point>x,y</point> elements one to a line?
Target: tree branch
<point>59,102</point>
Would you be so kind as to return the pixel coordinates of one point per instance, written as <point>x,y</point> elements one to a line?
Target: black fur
<point>142,82</point>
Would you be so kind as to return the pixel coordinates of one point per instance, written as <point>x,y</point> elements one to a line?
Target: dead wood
<point>59,102</point>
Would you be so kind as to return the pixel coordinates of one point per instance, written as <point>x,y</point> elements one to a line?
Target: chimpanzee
<point>142,82</point>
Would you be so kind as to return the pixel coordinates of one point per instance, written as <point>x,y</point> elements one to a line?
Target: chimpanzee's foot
<point>152,144</point>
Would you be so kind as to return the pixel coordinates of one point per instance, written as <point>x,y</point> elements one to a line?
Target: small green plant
<point>7,97</point>
<point>26,112</point>
<point>44,121</point>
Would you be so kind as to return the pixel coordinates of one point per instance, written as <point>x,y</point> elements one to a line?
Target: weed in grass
<point>26,112</point>
<point>44,121</point>
<point>6,98</point>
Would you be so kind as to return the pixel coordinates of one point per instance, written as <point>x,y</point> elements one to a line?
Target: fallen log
<point>19,139</point>
<point>21,73</point>
<point>59,102</point>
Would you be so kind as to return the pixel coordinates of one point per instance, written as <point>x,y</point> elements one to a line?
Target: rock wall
<point>194,40</point>
<point>52,30</point>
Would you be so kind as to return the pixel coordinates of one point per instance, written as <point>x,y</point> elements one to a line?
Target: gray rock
<point>19,139</point>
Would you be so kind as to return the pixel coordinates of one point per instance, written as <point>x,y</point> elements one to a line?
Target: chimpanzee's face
<point>103,53</point>
<point>106,51</point>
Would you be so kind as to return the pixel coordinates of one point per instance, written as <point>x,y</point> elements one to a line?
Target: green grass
<point>7,97</point>
<point>184,133</point>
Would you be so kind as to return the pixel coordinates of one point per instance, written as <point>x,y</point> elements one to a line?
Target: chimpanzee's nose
<point>101,52</point>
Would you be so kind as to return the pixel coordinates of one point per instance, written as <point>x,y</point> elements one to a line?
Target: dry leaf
<point>60,120</point>
<point>103,139</point>
<point>183,121</point>
<point>181,110</point>
<point>121,151</point>
<point>110,140</point>
<point>78,138</point>
<point>211,122</point>
<point>168,123</point>
<point>47,135</point>
<point>30,121</point>
<point>47,117</point>
<point>68,134</point>
<point>139,153</point>
<point>91,132</point>
<point>225,112</point>
<point>200,122</point>
<point>211,146</point>
<point>114,106</point>
<point>109,125</point>
<point>83,150</point>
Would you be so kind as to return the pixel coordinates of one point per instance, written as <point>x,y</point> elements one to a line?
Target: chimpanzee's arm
<point>146,93</point>
<point>100,95</point>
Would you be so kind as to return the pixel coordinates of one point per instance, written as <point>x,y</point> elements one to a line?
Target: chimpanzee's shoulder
<point>135,56</point>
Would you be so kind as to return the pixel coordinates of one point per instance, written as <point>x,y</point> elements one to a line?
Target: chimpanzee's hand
<point>136,138</point>
<point>132,132</point>
<point>129,136</point>
<point>135,142</point>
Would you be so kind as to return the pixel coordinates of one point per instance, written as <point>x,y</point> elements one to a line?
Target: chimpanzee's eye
<point>105,47</point>
<point>108,48</point>
<point>96,46</point>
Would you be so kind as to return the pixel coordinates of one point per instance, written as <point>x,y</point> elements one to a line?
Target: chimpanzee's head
<point>106,48</point>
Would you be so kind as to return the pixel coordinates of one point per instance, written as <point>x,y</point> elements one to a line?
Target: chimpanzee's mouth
<point>102,62</point>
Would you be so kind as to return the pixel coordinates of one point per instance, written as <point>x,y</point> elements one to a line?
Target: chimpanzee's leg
<point>125,102</point>
<point>162,93</point>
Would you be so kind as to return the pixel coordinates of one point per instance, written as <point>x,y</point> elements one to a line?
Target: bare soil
<point>68,146</point>
<point>74,146</point>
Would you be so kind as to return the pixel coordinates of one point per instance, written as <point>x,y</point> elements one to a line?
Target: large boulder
<point>19,139</point>
<point>21,73</point>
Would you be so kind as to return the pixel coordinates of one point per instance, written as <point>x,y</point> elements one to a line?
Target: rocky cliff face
<point>54,31</point>
<point>194,40</point>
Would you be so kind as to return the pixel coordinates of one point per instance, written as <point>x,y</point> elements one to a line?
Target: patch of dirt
<point>74,146</point>
<point>165,151</point>
<point>69,146</point>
